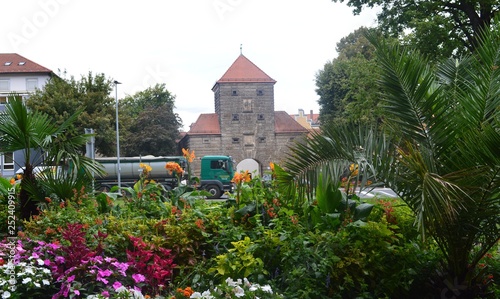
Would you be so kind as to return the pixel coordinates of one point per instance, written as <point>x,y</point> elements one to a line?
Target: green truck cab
<point>216,175</point>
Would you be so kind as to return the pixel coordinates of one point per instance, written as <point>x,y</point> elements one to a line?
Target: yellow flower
<point>188,155</point>
<point>271,165</point>
<point>354,169</point>
<point>146,169</point>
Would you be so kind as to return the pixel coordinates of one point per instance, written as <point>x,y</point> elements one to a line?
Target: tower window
<point>260,92</point>
<point>262,139</point>
<point>236,140</point>
<point>234,92</point>
<point>236,117</point>
<point>260,117</point>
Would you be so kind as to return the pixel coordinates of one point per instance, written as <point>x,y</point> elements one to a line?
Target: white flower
<point>254,287</point>
<point>238,291</point>
<point>231,282</point>
<point>6,294</point>
<point>196,295</point>
<point>26,280</point>
<point>45,282</point>
<point>36,284</point>
<point>267,289</point>
<point>246,282</point>
<point>46,271</point>
<point>40,262</point>
<point>29,270</point>
<point>207,295</point>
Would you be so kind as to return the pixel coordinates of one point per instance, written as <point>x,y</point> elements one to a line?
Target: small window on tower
<point>260,92</point>
<point>236,117</point>
<point>234,92</point>
<point>262,139</point>
<point>260,117</point>
<point>236,140</point>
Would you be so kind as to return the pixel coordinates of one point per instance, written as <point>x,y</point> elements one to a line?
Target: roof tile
<point>15,63</point>
<point>243,70</point>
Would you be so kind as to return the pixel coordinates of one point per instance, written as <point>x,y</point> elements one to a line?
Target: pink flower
<point>117,285</point>
<point>77,292</point>
<point>138,278</point>
<point>105,294</point>
<point>122,267</point>
<point>71,278</point>
<point>104,273</point>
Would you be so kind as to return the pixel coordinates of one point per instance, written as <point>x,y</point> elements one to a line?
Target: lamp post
<point>118,170</point>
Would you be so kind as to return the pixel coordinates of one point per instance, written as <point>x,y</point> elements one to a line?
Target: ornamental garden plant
<point>303,234</point>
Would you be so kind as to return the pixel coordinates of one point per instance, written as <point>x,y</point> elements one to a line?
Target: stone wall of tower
<point>246,114</point>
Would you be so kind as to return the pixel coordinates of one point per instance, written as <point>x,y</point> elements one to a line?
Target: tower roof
<point>243,70</point>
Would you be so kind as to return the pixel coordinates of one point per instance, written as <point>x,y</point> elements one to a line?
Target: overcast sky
<point>186,44</point>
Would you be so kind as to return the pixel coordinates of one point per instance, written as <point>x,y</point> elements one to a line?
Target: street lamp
<point>117,138</point>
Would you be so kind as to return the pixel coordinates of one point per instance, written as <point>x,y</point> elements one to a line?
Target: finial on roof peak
<point>241,49</point>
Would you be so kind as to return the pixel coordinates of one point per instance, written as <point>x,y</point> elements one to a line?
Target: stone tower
<point>244,125</point>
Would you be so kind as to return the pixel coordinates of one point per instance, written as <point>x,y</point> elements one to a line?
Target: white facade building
<point>19,76</point>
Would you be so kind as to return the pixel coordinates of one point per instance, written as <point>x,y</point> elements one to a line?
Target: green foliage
<point>347,84</point>
<point>150,125</point>
<point>61,97</point>
<point>440,28</point>
<point>240,262</point>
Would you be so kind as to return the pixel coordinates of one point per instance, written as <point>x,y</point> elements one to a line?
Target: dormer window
<point>7,63</point>
<point>22,63</point>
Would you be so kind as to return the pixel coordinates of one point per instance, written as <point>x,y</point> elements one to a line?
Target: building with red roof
<point>245,124</point>
<point>20,76</point>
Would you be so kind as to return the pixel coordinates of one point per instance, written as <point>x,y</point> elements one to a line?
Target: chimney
<point>311,116</point>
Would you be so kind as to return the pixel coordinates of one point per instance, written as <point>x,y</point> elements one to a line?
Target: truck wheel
<point>214,190</point>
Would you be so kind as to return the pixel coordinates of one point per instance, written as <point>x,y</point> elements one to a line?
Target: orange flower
<point>19,176</point>
<point>271,165</point>
<point>12,181</point>
<point>241,177</point>
<point>188,155</point>
<point>173,166</point>
<point>199,224</point>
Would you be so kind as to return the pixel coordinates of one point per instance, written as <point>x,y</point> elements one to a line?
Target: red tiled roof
<point>15,63</point>
<point>205,124</point>
<point>243,70</point>
<point>284,123</point>
<point>209,124</point>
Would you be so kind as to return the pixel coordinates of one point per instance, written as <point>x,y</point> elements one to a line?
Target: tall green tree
<point>61,98</point>
<point>439,27</point>
<point>151,126</point>
<point>43,143</point>
<point>347,84</point>
<point>439,153</point>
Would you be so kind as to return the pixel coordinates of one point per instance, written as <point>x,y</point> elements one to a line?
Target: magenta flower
<point>122,267</point>
<point>105,294</point>
<point>104,273</point>
<point>138,278</point>
<point>117,285</point>
<point>71,278</point>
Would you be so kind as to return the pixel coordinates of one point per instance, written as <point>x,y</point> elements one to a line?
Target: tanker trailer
<point>130,170</point>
